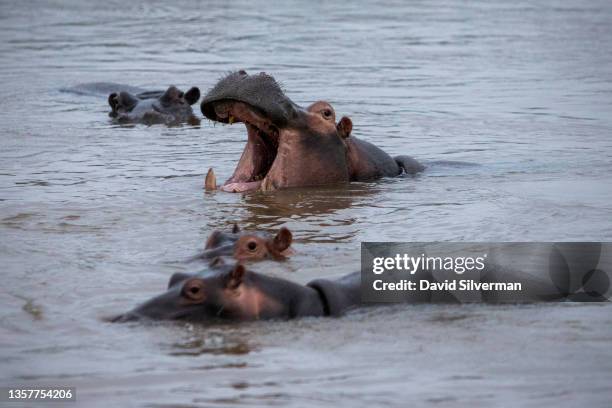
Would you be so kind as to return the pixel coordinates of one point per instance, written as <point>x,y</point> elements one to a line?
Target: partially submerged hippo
<point>247,245</point>
<point>289,146</point>
<point>171,107</point>
<point>231,292</point>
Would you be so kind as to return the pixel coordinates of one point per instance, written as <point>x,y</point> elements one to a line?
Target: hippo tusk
<point>231,120</point>
<point>210,183</point>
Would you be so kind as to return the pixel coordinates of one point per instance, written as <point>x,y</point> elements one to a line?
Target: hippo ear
<point>235,277</point>
<point>125,100</point>
<point>213,240</point>
<point>344,127</point>
<point>112,101</point>
<point>192,95</point>
<point>171,94</point>
<point>282,240</point>
<point>235,229</point>
<point>217,261</point>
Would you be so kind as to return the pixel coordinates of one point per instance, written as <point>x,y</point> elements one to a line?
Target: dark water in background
<point>93,218</point>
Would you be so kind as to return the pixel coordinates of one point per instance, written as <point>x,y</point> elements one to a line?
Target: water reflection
<point>302,204</point>
<point>215,342</point>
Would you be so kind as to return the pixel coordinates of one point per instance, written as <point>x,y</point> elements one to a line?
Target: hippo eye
<point>193,289</point>
<point>252,246</point>
<point>327,113</point>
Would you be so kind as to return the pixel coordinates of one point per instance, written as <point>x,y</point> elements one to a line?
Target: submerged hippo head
<point>172,107</point>
<point>246,245</point>
<point>287,146</point>
<point>224,292</point>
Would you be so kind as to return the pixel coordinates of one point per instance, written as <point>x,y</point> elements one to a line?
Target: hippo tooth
<point>231,119</point>
<point>210,183</point>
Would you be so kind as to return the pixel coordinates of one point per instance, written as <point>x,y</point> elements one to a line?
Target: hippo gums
<point>247,245</point>
<point>288,146</point>
<point>231,292</point>
<point>171,107</point>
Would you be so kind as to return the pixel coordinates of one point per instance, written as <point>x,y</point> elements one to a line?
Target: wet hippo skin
<point>289,146</point>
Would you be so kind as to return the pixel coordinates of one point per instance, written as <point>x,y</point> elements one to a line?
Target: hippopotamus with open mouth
<point>289,146</point>
<point>246,245</point>
<point>171,107</point>
<point>231,292</point>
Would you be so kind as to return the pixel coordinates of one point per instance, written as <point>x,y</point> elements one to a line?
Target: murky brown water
<point>94,218</point>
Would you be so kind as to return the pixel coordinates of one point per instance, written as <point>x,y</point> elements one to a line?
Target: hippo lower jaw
<point>240,187</point>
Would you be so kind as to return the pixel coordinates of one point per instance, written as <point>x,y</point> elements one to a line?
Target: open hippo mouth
<point>260,151</point>
<point>259,103</point>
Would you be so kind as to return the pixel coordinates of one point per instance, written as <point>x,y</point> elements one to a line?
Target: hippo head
<point>246,245</point>
<point>287,146</point>
<point>171,107</point>
<point>222,292</point>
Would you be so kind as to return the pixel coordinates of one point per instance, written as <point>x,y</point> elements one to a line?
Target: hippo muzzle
<point>183,300</point>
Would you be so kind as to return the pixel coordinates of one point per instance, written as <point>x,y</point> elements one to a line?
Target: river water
<point>508,103</point>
